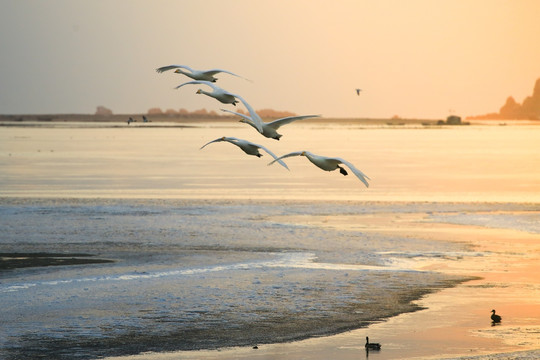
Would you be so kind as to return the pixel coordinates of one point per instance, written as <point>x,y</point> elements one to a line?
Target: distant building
<point>452,120</point>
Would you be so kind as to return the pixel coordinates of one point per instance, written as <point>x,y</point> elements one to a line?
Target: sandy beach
<point>455,322</point>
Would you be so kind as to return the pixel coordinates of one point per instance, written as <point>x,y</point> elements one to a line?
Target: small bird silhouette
<point>372,346</point>
<point>358,91</point>
<point>495,318</point>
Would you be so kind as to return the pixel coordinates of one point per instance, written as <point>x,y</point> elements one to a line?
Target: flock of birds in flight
<point>267,129</point>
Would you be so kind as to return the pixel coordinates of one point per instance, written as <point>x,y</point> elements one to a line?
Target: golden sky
<point>414,58</point>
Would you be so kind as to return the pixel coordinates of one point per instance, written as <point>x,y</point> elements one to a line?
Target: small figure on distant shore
<point>495,318</point>
<point>130,120</point>
<point>358,91</point>
<point>372,346</point>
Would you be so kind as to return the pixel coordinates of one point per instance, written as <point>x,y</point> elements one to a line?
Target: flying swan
<point>255,119</point>
<point>218,93</point>
<point>270,129</point>
<point>327,164</point>
<point>205,75</point>
<point>248,147</point>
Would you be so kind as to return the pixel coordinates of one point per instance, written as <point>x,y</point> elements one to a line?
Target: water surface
<point>204,252</point>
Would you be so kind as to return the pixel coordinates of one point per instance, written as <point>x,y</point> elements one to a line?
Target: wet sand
<point>455,322</point>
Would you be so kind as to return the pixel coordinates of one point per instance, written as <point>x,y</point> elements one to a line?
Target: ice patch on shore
<point>523,221</point>
<point>291,260</point>
<point>513,335</point>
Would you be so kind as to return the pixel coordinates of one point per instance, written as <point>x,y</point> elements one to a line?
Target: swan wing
<point>276,124</point>
<point>223,138</point>
<point>239,114</point>
<point>281,162</point>
<point>170,67</point>
<point>363,177</point>
<point>255,118</point>
<point>213,72</point>
<point>199,82</point>
<point>295,153</point>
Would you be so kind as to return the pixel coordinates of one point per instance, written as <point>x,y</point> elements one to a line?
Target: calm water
<point>200,260</point>
<point>469,163</point>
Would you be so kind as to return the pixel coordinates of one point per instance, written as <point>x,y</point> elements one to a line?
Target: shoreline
<point>454,323</point>
<point>160,120</point>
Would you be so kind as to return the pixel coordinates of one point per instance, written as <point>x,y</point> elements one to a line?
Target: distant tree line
<point>264,113</point>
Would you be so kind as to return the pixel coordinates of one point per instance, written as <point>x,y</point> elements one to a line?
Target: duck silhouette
<point>372,346</point>
<point>495,318</point>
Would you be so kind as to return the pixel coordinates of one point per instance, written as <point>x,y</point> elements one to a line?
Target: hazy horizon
<point>414,59</point>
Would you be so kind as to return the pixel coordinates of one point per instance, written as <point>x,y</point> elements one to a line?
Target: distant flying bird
<point>495,318</point>
<point>130,120</point>
<point>145,119</point>
<point>205,75</point>
<point>270,129</point>
<point>328,164</point>
<point>248,147</point>
<point>358,91</point>
<point>218,93</point>
<point>372,346</point>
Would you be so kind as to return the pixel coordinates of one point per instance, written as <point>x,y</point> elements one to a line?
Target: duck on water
<point>372,346</point>
<point>495,318</point>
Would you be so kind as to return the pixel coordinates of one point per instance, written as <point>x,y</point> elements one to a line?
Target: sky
<point>414,59</point>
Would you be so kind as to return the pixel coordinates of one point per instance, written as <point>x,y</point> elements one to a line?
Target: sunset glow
<point>416,58</point>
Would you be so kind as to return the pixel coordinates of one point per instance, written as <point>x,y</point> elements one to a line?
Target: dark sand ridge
<point>9,261</point>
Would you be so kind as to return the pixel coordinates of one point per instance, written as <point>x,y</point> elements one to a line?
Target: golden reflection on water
<point>473,163</point>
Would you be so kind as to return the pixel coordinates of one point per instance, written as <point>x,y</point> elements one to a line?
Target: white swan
<point>248,147</point>
<point>205,75</point>
<point>253,116</point>
<point>328,164</point>
<point>218,93</point>
<point>270,129</point>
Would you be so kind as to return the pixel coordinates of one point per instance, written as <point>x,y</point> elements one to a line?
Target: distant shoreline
<point>13,120</point>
